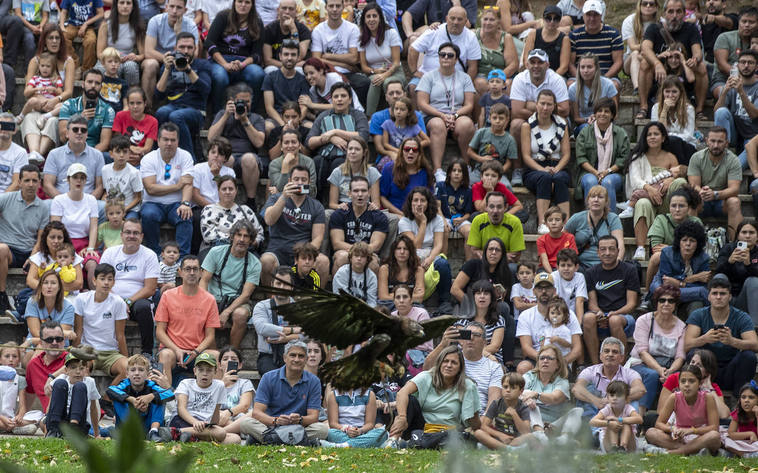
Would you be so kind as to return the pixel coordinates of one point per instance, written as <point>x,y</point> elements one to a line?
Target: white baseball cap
<point>593,5</point>
<point>76,168</point>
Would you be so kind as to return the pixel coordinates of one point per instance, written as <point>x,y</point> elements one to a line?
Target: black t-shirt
<point>234,131</point>
<point>272,35</point>
<point>610,286</point>
<point>711,31</point>
<point>687,35</point>
<point>285,89</point>
<point>475,270</point>
<point>112,92</point>
<point>369,222</point>
<point>503,422</point>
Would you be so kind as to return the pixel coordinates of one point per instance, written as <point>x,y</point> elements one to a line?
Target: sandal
<point>641,114</point>
<point>701,117</point>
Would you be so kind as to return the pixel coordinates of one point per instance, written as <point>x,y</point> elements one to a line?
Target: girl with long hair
<point>379,50</point>
<point>356,164</point>
<point>632,30</point>
<point>589,88</point>
<point>675,111</point>
<point>402,266</point>
<point>124,31</point>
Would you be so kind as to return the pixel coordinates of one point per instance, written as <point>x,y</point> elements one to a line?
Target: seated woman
<point>53,236</point>
<point>550,39</point>
<point>280,167</point>
<point>403,266</point>
<point>140,127</point>
<point>589,225</point>
<point>601,152</point>
<point>352,419</point>
<point>356,164</point>
<point>422,224</point>
<point>589,88</point>
<point>739,261</point>
<point>546,151</point>
<point>447,399</point>
<point>685,264</point>
<point>446,98</point>
<point>238,392</point>
<point>706,361</point>
<point>409,170</point>
<point>500,328</point>
<point>697,422</point>
<point>656,174</point>
<point>217,219</point>
<point>321,77</point>
<point>492,267</point>
<point>498,50</point>
<point>632,31</point>
<point>658,343</point>
<point>204,183</point>
<point>48,303</point>
<point>401,296</point>
<point>675,111</point>
<point>331,131</point>
<point>516,19</point>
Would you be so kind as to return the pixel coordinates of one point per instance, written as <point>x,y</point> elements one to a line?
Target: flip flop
<point>641,114</point>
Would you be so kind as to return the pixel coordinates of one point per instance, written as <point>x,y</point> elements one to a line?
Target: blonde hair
<point>599,190</point>
<point>562,366</point>
<point>345,167</point>
<point>109,53</point>
<point>48,56</point>
<point>110,203</point>
<point>637,24</point>
<point>138,360</point>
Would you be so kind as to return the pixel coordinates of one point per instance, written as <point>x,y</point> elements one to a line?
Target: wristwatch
<point>715,195</point>
<point>187,203</point>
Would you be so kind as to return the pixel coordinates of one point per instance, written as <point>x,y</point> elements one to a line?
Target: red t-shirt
<point>36,376</point>
<point>136,131</point>
<point>672,384</point>
<point>551,246</point>
<point>478,192</point>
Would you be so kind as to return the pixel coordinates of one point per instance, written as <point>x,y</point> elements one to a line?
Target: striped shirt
<point>486,374</point>
<point>489,330</point>
<point>602,44</point>
<point>352,407</point>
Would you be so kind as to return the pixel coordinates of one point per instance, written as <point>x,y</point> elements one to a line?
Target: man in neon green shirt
<point>495,222</point>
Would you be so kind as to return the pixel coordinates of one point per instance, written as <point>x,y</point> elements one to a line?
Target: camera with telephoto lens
<point>240,107</point>
<point>180,60</point>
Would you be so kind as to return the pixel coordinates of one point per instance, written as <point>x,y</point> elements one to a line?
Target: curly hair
<point>431,204</point>
<point>691,229</point>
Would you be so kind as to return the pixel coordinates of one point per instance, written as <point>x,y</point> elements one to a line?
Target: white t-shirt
<point>266,10</point>
<point>122,184</point>
<point>201,403</point>
<point>213,7</point>
<point>429,42</point>
<point>570,290</point>
<point>202,180</point>
<point>131,270</point>
<point>339,41</point>
<point>524,90</point>
<point>233,393</point>
<point>532,323</point>
<point>153,165</point>
<point>11,162</point>
<point>75,214</point>
<point>437,225</point>
<point>446,93</point>
<point>99,319</point>
<point>525,294</point>
<point>562,331</point>
<point>487,374</point>
<point>92,394</point>
<point>381,56</point>
<point>627,31</point>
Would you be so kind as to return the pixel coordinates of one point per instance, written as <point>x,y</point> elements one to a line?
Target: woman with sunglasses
<point>498,50</point>
<point>551,40</point>
<point>409,170</point>
<point>632,30</point>
<point>658,343</point>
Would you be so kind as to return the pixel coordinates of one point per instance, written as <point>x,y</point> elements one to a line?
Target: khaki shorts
<point>29,126</point>
<point>106,359</point>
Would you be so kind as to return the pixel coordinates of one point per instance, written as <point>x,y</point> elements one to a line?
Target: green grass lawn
<point>39,455</point>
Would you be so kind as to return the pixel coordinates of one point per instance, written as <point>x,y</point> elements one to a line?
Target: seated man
<point>293,216</point>
<point>726,331</point>
<point>429,14</point>
<point>186,321</point>
<point>357,223</point>
<point>600,39</point>
<point>230,274</point>
<point>287,396</point>
<point>592,382</point>
<point>167,176</point>
<point>245,132</point>
<point>715,173</point>
<point>47,364</point>
<point>495,222</point>
<point>284,84</point>
<point>91,106</point>
<point>613,288</point>
<point>287,27</point>
<point>186,83</point>
<point>726,49</point>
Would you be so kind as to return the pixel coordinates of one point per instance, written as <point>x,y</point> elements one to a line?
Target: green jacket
<point>586,152</point>
<point>662,229</point>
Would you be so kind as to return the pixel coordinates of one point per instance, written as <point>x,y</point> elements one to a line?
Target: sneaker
<point>750,455</point>
<point>54,432</point>
<point>185,437</point>
<point>622,205</point>
<point>4,303</point>
<point>154,436</point>
<point>639,254</point>
<point>36,158</point>
<point>327,444</point>
<point>30,429</point>
<point>654,449</point>
<point>439,175</point>
<point>627,213</point>
<point>517,178</point>
<point>542,229</point>
<point>390,443</point>
<point>165,434</point>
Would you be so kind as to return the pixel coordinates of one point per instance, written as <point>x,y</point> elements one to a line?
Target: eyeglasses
<point>491,7</point>
<point>53,339</point>
<point>447,55</point>
<point>552,18</point>
<point>78,129</point>
<point>167,175</point>
<point>648,4</point>
<point>667,300</point>
<point>191,269</point>
<point>408,149</point>
<point>547,358</point>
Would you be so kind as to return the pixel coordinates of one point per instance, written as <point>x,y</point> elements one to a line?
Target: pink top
<point>749,427</point>
<point>418,314</point>
<point>642,335</point>
<point>690,416</point>
<point>607,412</point>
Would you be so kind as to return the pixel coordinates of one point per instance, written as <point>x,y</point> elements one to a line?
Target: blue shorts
<point>713,208</point>
<point>19,257</point>
<point>628,330</point>
<point>263,163</point>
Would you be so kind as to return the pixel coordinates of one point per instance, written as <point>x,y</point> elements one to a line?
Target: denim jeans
<point>613,183</point>
<point>155,213</point>
<point>723,117</point>
<point>652,383</point>
<point>188,119</point>
<point>252,75</point>
<point>446,279</point>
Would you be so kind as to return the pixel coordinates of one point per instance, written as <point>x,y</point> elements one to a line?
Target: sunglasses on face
<point>447,55</point>
<point>667,300</point>
<point>409,149</point>
<point>648,4</point>
<point>167,174</point>
<point>492,7</point>
<point>53,339</point>
<point>552,19</point>
<point>78,129</point>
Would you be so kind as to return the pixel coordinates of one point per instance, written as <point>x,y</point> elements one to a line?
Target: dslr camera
<point>240,107</point>
<point>180,60</point>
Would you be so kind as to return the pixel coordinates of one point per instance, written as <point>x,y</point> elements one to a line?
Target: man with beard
<point>714,22</point>
<point>715,173</point>
<point>276,33</point>
<point>284,84</point>
<point>727,48</point>
<point>98,113</point>
<point>655,42</point>
<point>495,222</point>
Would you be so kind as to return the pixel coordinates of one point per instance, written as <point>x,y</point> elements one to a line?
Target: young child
<point>73,399</point>
<point>692,12</point>
<point>355,277</point>
<point>507,419</point>
<point>697,419</point>
<point>569,282</point>
<point>46,84</point>
<point>143,394</point>
<point>403,125</point>
<point>675,63</point>
<point>64,264</point>
<point>311,12</point>
<point>169,264</point>
<point>109,232</point>
<point>454,197</point>
<point>617,420</point>
<point>495,94</point>
<point>558,333</point>
<point>13,406</point>
<point>493,143</point>
<point>304,272</point>
<point>352,420</point>
<point>657,181</point>
<point>113,89</point>
<point>198,400</point>
<point>492,173</point>
<point>522,293</point>
<point>291,116</point>
<point>78,18</point>
<point>121,180</point>
<point>742,437</point>
<point>549,244</point>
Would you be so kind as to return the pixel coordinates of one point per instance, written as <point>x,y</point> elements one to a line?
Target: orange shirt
<point>187,316</point>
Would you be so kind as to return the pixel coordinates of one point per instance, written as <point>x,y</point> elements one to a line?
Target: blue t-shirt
<point>397,135</point>
<point>375,125</point>
<point>392,192</point>
<point>280,398</point>
<point>738,322</point>
<point>487,102</point>
<point>80,11</point>
<point>454,201</point>
<point>607,90</point>
<point>65,316</point>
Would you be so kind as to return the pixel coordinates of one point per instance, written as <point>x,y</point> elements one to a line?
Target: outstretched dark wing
<point>359,370</point>
<point>433,328</point>
<point>341,319</point>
